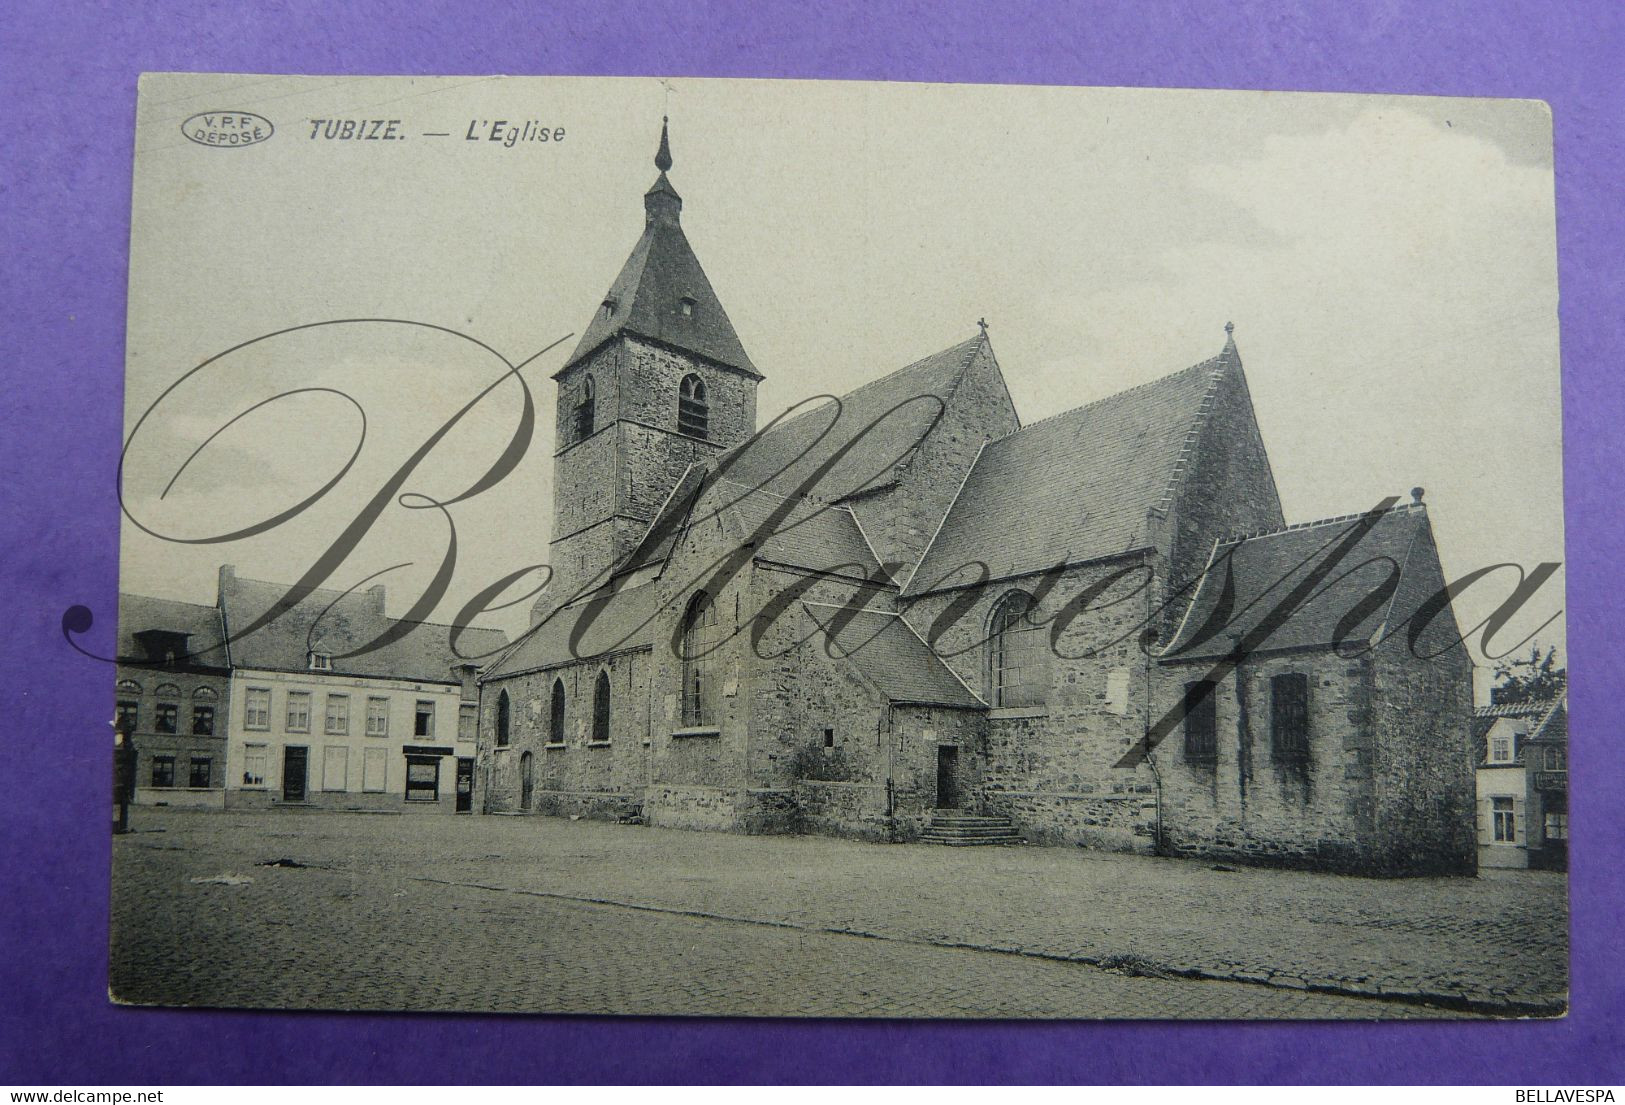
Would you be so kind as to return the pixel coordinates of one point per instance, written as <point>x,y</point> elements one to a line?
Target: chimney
<point>376,593</point>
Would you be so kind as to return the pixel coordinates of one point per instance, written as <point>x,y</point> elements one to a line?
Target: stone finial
<point>1229,329</point>
<point>1416,496</point>
<point>663,155</point>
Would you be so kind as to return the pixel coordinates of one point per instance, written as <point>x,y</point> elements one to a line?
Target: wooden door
<point>947,777</point>
<point>294,762</point>
<point>465,784</point>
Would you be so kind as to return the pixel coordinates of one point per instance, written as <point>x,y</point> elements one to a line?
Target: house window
<point>255,758</point>
<point>1018,654</point>
<point>829,738</point>
<point>377,717</point>
<point>1505,820</point>
<point>335,767</point>
<point>168,714</point>
<point>1556,759</point>
<point>198,773</point>
<point>423,726</point>
<point>1201,722</point>
<point>127,715</point>
<point>298,713</point>
<point>321,661</point>
<point>163,771</point>
<point>693,411</point>
<point>585,408</point>
<point>504,713</point>
<point>257,708</point>
<point>468,720</point>
<point>203,721</point>
<point>374,770</point>
<point>423,778</point>
<point>555,714</point>
<point>1289,717</point>
<point>1557,825</point>
<point>338,715</point>
<point>699,662</point>
<point>1501,750</point>
<point>600,709</point>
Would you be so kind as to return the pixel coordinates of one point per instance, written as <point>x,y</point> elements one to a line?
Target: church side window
<point>585,408</point>
<point>699,662</point>
<point>1018,654</point>
<point>555,714</point>
<point>600,709</point>
<point>1289,717</point>
<point>693,409</point>
<point>1201,722</point>
<point>504,714</point>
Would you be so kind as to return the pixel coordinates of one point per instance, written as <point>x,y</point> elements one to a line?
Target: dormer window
<point>685,307</point>
<point>609,307</point>
<point>321,661</point>
<point>693,409</point>
<point>585,408</point>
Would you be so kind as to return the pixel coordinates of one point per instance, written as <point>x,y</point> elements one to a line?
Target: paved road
<point>538,914</point>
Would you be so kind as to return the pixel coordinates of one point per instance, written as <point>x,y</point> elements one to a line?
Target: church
<point>909,616</point>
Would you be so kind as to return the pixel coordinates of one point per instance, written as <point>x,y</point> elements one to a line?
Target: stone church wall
<point>1247,803</point>
<point>1051,768</point>
<point>575,776</point>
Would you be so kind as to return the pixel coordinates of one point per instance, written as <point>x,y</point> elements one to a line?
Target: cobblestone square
<point>536,914</point>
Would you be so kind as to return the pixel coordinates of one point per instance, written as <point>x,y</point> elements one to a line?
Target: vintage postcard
<point>768,548</point>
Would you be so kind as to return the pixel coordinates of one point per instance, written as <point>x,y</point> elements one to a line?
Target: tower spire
<point>663,156</point>
<point>661,203</point>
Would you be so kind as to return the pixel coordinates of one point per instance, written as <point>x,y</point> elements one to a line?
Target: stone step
<point>961,830</point>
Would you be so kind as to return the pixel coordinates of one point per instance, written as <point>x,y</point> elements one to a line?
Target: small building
<point>1523,784</point>
<point>171,698</point>
<point>389,728</point>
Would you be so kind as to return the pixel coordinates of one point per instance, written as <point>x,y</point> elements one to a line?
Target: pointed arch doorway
<point>527,781</point>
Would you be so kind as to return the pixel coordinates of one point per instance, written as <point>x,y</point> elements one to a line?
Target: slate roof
<point>424,654</point>
<point>142,613</point>
<point>1247,578</point>
<point>781,460</point>
<point>648,293</point>
<point>892,657</point>
<point>624,622</point>
<point>1074,487</point>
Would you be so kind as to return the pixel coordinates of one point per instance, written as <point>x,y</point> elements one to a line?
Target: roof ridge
<point>1207,364</point>
<point>1254,535</point>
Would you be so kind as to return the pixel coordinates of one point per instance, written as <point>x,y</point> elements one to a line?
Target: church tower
<point>658,381</point>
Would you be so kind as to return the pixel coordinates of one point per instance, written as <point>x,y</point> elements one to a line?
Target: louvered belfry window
<point>693,410</point>
<point>1289,717</point>
<point>585,410</point>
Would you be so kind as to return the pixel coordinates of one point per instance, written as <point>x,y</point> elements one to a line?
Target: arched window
<point>128,686</point>
<point>1018,654</point>
<point>205,694</point>
<point>693,410</point>
<point>585,408</point>
<point>167,690</point>
<point>527,780</point>
<point>600,708</point>
<point>504,719</point>
<point>699,662</point>
<point>555,714</point>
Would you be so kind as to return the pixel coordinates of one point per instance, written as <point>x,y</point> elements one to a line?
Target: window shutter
<point>1484,821</point>
<point>1520,836</point>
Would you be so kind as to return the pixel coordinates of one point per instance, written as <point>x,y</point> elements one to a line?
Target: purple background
<point>70,72</point>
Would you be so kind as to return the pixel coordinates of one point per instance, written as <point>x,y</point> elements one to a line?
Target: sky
<point>1389,264</point>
